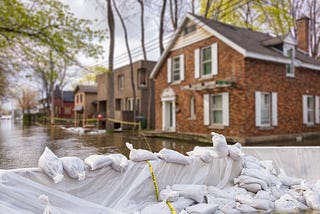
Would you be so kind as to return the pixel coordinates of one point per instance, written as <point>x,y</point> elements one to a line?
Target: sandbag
<point>51,165</point>
<point>244,208</point>
<point>286,204</point>
<point>254,187</point>
<point>235,151</point>
<point>168,194</point>
<point>244,179</point>
<point>74,167</point>
<point>268,165</point>
<point>140,154</point>
<point>312,199</point>
<point>222,202</point>
<point>265,195</point>
<point>202,208</point>
<point>288,181</point>
<point>119,162</point>
<point>195,192</point>
<point>220,145</point>
<point>98,161</point>
<point>172,156</point>
<point>205,154</point>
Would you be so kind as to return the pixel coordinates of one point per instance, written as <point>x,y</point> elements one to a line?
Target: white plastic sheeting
<point>300,162</point>
<point>106,190</point>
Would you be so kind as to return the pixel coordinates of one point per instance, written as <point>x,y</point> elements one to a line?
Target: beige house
<point>85,104</point>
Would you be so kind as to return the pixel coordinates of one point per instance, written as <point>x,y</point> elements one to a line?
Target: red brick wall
<point>250,75</point>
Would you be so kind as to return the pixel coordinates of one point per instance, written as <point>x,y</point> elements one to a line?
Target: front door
<point>169,116</point>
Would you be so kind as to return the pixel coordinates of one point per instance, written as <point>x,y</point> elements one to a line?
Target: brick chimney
<point>303,33</point>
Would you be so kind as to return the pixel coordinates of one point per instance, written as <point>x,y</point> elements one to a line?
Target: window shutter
<point>258,108</point>
<point>197,63</point>
<point>305,109</point>
<point>181,67</point>
<point>169,68</point>
<point>274,109</point>
<point>206,113</point>
<point>225,106</point>
<point>317,109</point>
<point>214,59</point>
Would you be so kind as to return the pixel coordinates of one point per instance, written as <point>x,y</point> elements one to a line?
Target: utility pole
<point>52,91</point>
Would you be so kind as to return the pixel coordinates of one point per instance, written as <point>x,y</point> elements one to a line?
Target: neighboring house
<point>63,103</point>
<point>247,85</point>
<point>85,104</point>
<point>122,94</point>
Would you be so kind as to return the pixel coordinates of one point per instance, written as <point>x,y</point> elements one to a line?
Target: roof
<point>250,44</point>
<point>86,88</point>
<point>68,96</point>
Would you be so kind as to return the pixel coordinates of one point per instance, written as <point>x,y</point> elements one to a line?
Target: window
<point>192,107</point>
<point>118,104</point>
<point>80,98</point>
<point>216,109</point>
<point>206,61</point>
<point>176,68</point>
<point>189,29</point>
<point>120,82</point>
<point>266,109</point>
<point>142,77</point>
<point>290,67</point>
<point>311,109</point>
<point>77,98</point>
<point>129,104</point>
<point>67,110</point>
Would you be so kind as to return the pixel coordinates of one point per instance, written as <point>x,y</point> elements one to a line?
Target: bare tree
<point>143,46</point>
<point>174,13</point>
<point>161,27</point>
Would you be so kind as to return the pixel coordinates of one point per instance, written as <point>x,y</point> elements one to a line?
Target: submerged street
<point>21,146</point>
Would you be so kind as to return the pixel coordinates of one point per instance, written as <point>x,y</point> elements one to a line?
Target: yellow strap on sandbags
<point>173,211</point>
<point>153,179</point>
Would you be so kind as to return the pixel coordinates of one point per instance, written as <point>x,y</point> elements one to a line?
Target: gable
<point>185,39</point>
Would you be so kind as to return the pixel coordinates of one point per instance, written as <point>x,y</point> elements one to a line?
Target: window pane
<point>265,108</point>
<point>311,114</point>
<point>217,101</point>
<point>176,69</point>
<point>206,54</point>
<point>217,117</point>
<point>207,68</point>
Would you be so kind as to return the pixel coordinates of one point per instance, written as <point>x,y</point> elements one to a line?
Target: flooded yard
<point>21,146</point>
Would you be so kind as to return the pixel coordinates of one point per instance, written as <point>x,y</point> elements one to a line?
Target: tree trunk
<point>130,59</point>
<point>110,101</point>
<point>161,30</point>
<point>174,14</point>
<point>143,46</point>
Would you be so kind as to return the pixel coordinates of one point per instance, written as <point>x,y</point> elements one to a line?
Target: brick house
<point>249,86</point>
<point>85,102</point>
<point>121,92</point>
<point>63,103</point>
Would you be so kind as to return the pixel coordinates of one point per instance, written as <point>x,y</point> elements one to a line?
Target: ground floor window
<point>311,109</point>
<point>216,109</point>
<point>266,109</point>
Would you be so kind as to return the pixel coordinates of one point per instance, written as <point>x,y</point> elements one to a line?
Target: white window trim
<point>273,109</point>
<point>317,120</point>
<point>203,62</point>
<point>207,109</point>
<point>305,110</point>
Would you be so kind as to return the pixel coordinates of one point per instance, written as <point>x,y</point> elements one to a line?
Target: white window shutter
<point>225,106</point>
<point>317,109</point>
<point>181,67</point>
<point>197,63</point>
<point>305,109</point>
<point>274,109</point>
<point>214,58</point>
<point>258,107</point>
<point>206,110</point>
<point>169,68</point>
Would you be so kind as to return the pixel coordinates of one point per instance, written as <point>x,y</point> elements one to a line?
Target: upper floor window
<point>175,69</point>
<point>189,29</point>
<point>266,109</point>
<point>77,98</point>
<point>289,51</point>
<point>120,82</point>
<point>216,109</point>
<point>311,109</point>
<point>206,61</point>
<point>142,77</point>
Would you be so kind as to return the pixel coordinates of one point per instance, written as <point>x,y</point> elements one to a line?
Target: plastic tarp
<point>106,190</point>
<point>301,162</point>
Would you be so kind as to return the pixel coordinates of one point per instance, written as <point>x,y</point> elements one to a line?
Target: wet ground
<point>21,146</point>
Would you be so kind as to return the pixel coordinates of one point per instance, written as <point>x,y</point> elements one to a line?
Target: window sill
<point>310,125</point>
<point>192,118</point>
<point>176,82</point>
<point>216,126</point>
<point>206,77</point>
<point>266,127</point>
<point>290,75</point>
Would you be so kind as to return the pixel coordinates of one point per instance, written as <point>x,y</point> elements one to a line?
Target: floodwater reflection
<point>21,146</point>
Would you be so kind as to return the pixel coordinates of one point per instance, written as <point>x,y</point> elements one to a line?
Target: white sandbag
<point>48,208</point>
<point>74,167</point>
<point>288,181</point>
<point>157,208</point>
<point>220,145</point>
<point>244,198</point>
<point>268,165</point>
<point>254,187</point>
<point>205,154</point>
<point>278,192</point>
<point>286,204</point>
<point>244,208</point>
<point>172,156</point>
<point>244,179</point>
<point>98,161</point>
<point>234,151</point>
<point>140,154</point>
<point>251,165</point>
<point>312,199</point>
<point>182,203</point>
<point>265,195</point>
<point>51,165</point>
<point>227,210</point>
<point>168,194</point>
<point>202,208</point>
<point>193,191</point>
<point>222,202</point>
<point>119,162</point>
<point>262,174</point>
<point>262,204</point>
<point>219,193</point>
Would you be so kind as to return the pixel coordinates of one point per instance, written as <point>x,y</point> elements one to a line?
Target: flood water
<point>21,146</point>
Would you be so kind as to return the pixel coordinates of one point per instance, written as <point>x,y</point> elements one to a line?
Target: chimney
<point>303,33</point>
